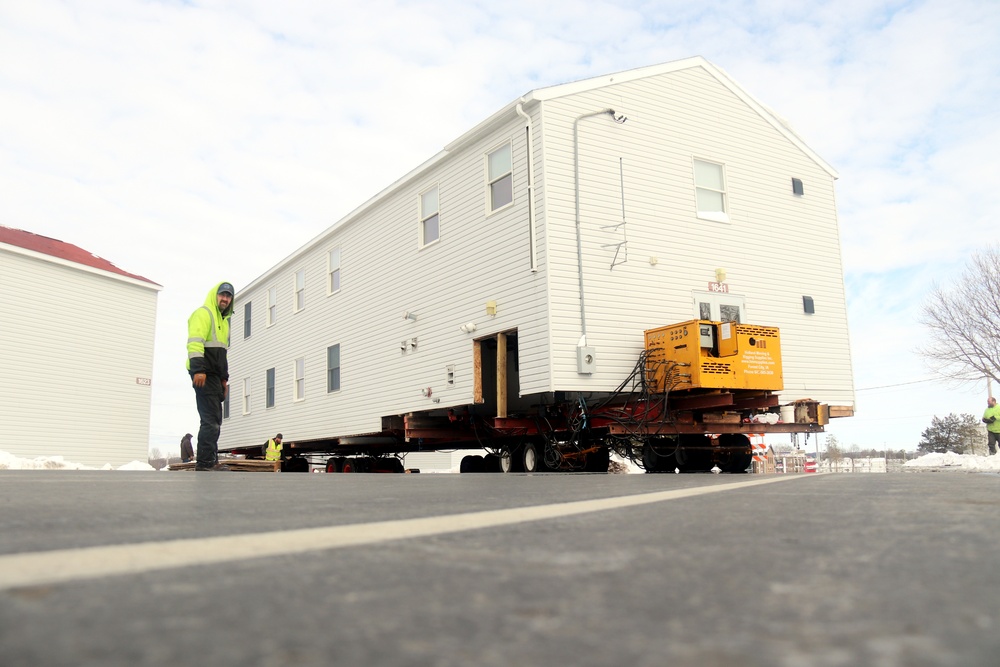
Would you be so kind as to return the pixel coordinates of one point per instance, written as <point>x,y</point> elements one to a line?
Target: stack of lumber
<point>237,465</point>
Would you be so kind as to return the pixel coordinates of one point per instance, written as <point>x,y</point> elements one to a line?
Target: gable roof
<point>60,250</point>
<point>585,85</point>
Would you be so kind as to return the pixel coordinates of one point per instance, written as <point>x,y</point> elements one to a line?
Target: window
<point>225,406</point>
<point>272,305</point>
<point>429,216</point>
<point>269,399</point>
<point>333,368</point>
<point>710,191</point>
<point>501,180</point>
<point>246,319</point>
<point>300,378</point>
<point>720,307</point>
<point>300,290</point>
<point>246,396</point>
<point>333,271</point>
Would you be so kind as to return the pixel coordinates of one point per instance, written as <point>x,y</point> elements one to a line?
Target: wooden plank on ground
<point>237,465</point>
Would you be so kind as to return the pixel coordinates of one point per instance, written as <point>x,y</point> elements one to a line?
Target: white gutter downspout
<point>585,357</point>
<point>531,186</point>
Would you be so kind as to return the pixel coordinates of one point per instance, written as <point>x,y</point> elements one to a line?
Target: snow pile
<point>11,462</point>
<point>957,462</point>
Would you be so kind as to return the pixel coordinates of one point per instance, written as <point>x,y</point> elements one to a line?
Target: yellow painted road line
<point>49,567</point>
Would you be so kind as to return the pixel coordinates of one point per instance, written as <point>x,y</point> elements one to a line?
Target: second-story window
<point>500,177</point>
<point>269,400</point>
<point>710,191</point>
<point>300,378</point>
<point>246,319</point>
<point>333,271</point>
<point>272,305</point>
<point>300,290</point>
<point>429,217</point>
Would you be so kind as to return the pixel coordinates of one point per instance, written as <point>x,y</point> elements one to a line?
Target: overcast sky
<point>192,142</point>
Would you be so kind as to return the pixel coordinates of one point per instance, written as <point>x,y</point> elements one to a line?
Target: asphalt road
<point>133,568</point>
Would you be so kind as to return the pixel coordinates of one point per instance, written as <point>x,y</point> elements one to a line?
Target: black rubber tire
<point>531,457</point>
<point>510,460</point>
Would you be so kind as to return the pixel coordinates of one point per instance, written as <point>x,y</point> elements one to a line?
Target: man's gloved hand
<point>991,420</point>
<point>199,380</point>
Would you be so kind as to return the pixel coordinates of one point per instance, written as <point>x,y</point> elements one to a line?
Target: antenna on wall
<point>621,247</point>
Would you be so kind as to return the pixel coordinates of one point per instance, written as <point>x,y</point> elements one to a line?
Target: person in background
<point>992,420</point>
<point>273,449</point>
<point>208,366</point>
<point>187,449</point>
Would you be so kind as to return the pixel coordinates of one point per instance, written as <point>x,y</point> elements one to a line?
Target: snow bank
<point>10,462</point>
<point>950,461</point>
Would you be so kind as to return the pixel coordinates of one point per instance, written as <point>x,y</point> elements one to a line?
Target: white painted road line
<point>50,567</point>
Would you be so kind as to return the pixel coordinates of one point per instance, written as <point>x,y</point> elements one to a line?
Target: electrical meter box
<point>700,354</point>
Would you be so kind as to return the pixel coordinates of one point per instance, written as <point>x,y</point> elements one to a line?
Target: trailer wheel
<point>332,465</point>
<point>531,457</point>
<point>491,463</point>
<point>738,455</point>
<point>472,463</point>
<point>510,460</point>
<point>651,461</point>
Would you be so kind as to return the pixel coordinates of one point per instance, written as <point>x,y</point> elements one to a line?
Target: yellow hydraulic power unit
<point>713,355</point>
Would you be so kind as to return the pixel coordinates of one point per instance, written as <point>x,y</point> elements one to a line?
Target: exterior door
<point>719,307</point>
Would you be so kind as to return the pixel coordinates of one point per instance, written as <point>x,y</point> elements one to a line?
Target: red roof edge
<point>62,250</point>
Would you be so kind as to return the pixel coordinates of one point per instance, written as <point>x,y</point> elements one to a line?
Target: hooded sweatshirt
<point>208,337</point>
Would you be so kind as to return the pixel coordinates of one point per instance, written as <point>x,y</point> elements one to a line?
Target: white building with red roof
<point>76,353</point>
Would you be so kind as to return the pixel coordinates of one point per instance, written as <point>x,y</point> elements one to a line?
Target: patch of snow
<point>10,462</point>
<point>950,461</point>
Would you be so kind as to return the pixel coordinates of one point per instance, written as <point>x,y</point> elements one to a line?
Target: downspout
<point>531,186</point>
<point>579,240</point>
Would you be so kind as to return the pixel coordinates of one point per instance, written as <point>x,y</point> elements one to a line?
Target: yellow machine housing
<point>700,354</point>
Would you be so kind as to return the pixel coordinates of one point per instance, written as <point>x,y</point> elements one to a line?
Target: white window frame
<point>299,287</point>
<point>339,366</point>
<point>299,373</point>
<point>716,300</point>
<point>246,396</point>
<point>333,270</point>
<point>270,382</point>
<point>247,319</point>
<point>426,214</point>
<point>715,216</point>
<point>272,305</point>
<point>493,179</point>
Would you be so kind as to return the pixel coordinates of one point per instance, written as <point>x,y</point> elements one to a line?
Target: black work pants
<point>992,441</point>
<point>209,399</point>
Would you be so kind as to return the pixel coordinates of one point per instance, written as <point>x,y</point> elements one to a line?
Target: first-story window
<point>269,396</point>
<point>246,396</point>
<point>499,174</point>
<point>333,368</point>
<point>300,378</point>
<point>429,216</point>
<point>225,406</point>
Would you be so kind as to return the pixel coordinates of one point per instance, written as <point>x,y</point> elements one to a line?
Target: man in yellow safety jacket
<point>273,449</point>
<point>208,366</point>
<point>992,420</point>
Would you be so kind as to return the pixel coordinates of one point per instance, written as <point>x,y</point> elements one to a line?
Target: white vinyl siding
<point>247,403</point>
<point>65,389</point>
